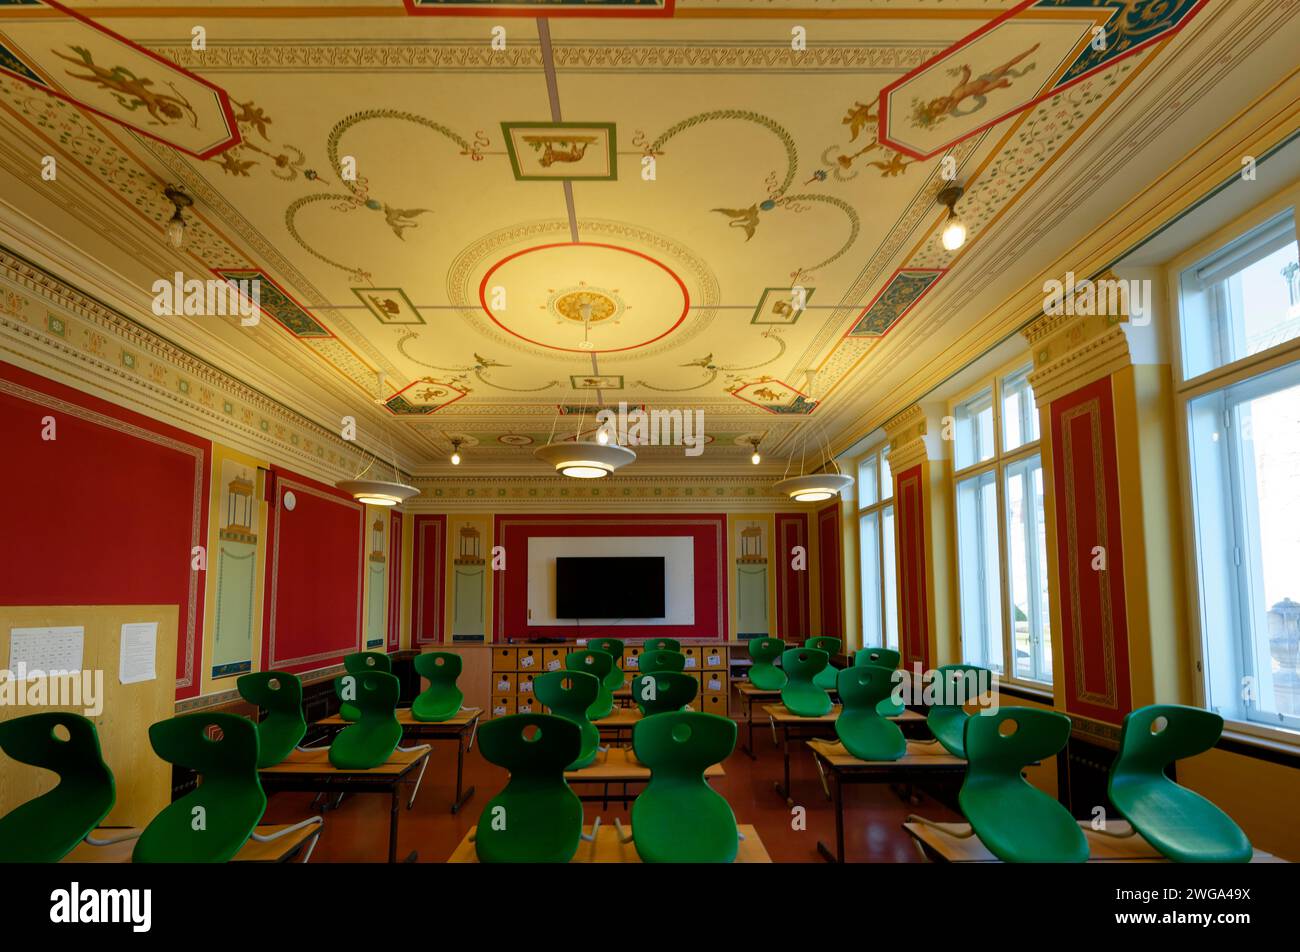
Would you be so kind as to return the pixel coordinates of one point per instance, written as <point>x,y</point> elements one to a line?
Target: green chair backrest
<point>614,648</point>
<point>861,729</point>
<point>663,691</point>
<point>763,674</point>
<point>570,694</point>
<point>210,823</point>
<point>599,663</point>
<point>1015,820</point>
<point>826,677</point>
<point>46,828</point>
<point>1182,825</point>
<point>661,644</point>
<point>536,818</point>
<point>442,699</point>
<point>679,818</point>
<point>800,695</point>
<point>375,735</point>
<point>360,662</point>
<point>881,657</point>
<point>662,659</point>
<point>947,720</point>
<point>884,658</point>
<point>284,725</point>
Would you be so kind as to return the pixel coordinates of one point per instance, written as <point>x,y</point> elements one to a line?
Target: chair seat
<point>1020,824</point>
<point>433,706</point>
<point>767,677</point>
<point>805,699</point>
<point>948,726</point>
<point>1178,822</point>
<point>869,736</point>
<point>684,825</point>
<point>362,746</point>
<point>552,820</point>
<point>825,678</point>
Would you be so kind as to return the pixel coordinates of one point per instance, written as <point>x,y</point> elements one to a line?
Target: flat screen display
<point>623,587</point>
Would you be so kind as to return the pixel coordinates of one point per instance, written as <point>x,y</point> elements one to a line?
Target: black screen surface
<point>631,587</point>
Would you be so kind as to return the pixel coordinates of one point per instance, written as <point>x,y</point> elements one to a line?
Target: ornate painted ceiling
<point>474,220</point>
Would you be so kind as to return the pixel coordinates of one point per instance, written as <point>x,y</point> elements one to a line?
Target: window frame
<point>1185,392</point>
<point>999,464</point>
<point>878,456</point>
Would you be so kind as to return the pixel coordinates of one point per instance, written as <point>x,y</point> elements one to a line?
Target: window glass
<point>1019,411</point>
<point>1027,570</point>
<point>973,430</point>
<point>869,578</point>
<point>978,571</point>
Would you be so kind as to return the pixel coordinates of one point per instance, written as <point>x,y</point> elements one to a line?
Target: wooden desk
<point>806,728</point>
<point>921,762</point>
<point>619,765</point>
<point>455,728</point>
<point>607,848</point>
<point>311,771</point>
<point>276,851</point>
<point>748,695</point>
<point>623,719</point>
<point>948,843</point>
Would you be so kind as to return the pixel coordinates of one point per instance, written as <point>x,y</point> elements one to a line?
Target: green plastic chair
<point>229,797</point>
<point>569,694</point>
<point>763,674</point>
<point>884,658</point>
<point>1015,820</point>
<point>662,659</point>
<point>360,662</point>
<point>679,818</point>
<point>46,828</point>
<point>442,699</point>
<point>947,722</point>
<point>600,664</point>
<point>661,644</point>
<point>860,727</point>
<point>536,818</point>
<point>375,735</point>
<point>279,732</point>
<point>826,678</point>
<point>663,692</point>
<point>801,696</point>
<point>614,648</point>
<point>1182,825</point>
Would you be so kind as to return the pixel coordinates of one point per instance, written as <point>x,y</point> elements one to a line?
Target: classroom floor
<point>357,831</point>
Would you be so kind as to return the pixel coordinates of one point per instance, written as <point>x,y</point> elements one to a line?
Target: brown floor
<point>357,831</point>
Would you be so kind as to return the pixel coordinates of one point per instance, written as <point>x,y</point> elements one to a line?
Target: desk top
<point>748,690</point>
<point>463,719</point>
<point>619,764</point>
<point>622,717</point>
<point>251,852</point>
<point>782,716</point>
<point>919,754</point>
<point>1114,846</point>
<point>317,761</point>
<point>608,849</point>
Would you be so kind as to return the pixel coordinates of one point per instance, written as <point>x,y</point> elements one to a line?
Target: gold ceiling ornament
<point>570,305</point>
<point>826,482</point>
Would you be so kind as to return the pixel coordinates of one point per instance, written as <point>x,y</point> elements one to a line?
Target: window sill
<point>1026,692</point>
<point>1280,747</point>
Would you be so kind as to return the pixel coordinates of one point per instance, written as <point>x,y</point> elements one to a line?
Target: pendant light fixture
<point>585,459</point>
<point>756,458</point>
<point>455,451</point>
<point>379,492</point>
<point>176,224</point>
<point>954,230</point>
<point>824,484</point>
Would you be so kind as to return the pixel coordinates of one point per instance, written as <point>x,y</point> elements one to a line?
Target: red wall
<point>394,581</point>
<point>913,603</point>
<point>105,514</point>
<point>314,571</point>
<point>510,593</point>
<point>1094,623</point>
<point>792,605</point>
<point>428,579</point>
<point>831,574</point>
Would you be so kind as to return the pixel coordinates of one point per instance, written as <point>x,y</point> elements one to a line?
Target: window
<point>1243,467</point>
<point>1001,531</point>
<point>876,580</point>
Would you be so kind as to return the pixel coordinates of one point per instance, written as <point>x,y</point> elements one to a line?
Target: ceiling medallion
<point>569,304</point>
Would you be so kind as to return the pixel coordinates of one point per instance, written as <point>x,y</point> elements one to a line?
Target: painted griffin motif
<point>132,92</point>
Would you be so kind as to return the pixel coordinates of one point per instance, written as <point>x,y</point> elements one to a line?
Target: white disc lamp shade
<point>378,492</point>
<point>815,487</point>
<point>585,460</point>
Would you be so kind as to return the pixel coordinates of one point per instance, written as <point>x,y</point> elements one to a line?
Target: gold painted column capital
<point>1084,341</point>
<point>914,437</point>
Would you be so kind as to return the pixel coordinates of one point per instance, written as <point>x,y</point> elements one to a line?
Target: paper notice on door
<point>34,652</point>
<point>139,649</point>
